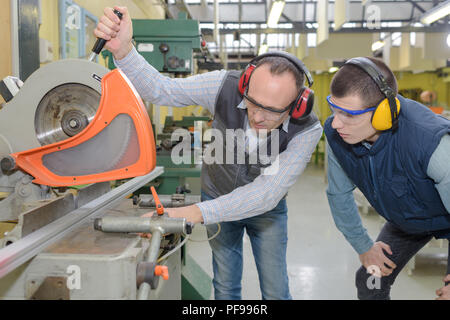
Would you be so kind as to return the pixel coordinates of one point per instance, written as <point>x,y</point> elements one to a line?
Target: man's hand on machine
<point>444,292</point>
<point>191,213</point>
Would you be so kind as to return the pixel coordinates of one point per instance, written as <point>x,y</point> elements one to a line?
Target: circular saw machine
<point>56,102</point>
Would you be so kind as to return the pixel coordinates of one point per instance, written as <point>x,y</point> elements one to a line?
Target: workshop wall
<point>426,81</point>
<point>5,40</point>
<point>321,89</point>
<point>49,29</point>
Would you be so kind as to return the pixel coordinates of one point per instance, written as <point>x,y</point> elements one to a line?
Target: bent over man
<point>396,152</point>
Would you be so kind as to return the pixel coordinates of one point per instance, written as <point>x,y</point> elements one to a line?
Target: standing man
<point>269,96</point>
<point>396,152</point>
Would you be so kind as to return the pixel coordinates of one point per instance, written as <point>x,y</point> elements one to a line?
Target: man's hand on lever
<point>118,33</point>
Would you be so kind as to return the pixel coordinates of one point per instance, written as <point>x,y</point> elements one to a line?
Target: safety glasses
<point>351,112</point>
<point>268,112</point>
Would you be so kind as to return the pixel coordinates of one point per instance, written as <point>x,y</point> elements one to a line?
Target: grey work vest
<point>221,178</point>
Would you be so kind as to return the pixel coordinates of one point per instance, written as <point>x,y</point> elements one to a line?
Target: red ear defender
<point>245,78</point>
<point>304,104</point>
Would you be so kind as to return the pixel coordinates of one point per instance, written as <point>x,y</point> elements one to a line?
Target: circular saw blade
<point>64,112</point>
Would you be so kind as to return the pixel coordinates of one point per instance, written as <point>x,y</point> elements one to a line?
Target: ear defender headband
<point>385,115</point>
<point>303,104</point>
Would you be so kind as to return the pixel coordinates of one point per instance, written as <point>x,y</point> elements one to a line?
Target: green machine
<point>167,44</point>
<point>175,175</point>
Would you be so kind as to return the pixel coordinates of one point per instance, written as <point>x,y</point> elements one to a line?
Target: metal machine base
<point>90,264</point>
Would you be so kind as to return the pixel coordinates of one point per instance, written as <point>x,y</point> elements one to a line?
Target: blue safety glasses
<point>352,112</point>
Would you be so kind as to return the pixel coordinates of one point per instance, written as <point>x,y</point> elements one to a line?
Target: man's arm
<point>264,193</point>
<point>439,170</point>
<point>150,84</point>
<point>343,206</point>
<point>347,219</point>
<point>161,90</point>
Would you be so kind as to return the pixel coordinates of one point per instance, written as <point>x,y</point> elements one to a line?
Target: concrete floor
<point>321,264</point>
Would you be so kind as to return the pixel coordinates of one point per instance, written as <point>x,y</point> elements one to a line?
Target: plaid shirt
<point>255,198</point>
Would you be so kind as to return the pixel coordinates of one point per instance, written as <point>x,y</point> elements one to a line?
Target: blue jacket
<point>393,173</point>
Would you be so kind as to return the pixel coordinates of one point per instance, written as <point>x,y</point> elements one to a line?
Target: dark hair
<point>350,80</point>
<point>279,65</point>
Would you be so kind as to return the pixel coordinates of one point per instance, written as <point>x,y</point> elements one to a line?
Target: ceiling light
<point>333,69</point>
<point>436,13</point>
<point>377,45</point>
<point>275,13</point>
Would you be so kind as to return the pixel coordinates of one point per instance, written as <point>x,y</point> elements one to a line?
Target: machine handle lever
<point>159,206</point>
<point>100,43</point>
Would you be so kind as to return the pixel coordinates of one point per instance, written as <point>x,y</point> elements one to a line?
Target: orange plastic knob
<point>162,271</point>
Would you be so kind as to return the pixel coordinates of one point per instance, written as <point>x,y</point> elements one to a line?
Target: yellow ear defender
<point>385,116</point>
<point>382,117</point>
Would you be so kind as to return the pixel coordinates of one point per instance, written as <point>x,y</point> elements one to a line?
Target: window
<point>76,30</point>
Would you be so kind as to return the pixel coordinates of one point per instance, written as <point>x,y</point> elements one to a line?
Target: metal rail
<point>26,248</point>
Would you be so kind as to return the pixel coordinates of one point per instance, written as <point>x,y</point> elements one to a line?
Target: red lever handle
<point>159,206</point>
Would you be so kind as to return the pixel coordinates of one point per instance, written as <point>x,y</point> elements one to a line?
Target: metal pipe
<point>157,225</point>
<point>155,244</point>
<point>151,225</point>
<point>152,255</point>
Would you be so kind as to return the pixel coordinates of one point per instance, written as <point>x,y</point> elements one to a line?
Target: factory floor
<point>321,264</point>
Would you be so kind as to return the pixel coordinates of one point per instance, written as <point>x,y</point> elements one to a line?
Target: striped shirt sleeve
<point>162,90</point>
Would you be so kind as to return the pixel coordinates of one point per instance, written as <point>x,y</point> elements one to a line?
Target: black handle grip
<point>100,43</point>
